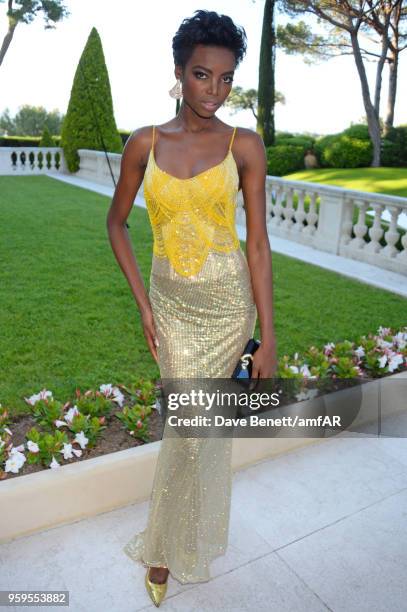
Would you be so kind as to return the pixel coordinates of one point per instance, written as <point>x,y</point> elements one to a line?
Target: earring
<point>176,91</point>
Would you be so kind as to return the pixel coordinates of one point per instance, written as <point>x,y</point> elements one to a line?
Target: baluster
<point>347,224</point>
<point>360,227</point>
<point>311,216</point>
<point>376,231</point>
<point>392,235</point>
<point>288,210</point>
<point>277,208</point>
<point>299,214</point>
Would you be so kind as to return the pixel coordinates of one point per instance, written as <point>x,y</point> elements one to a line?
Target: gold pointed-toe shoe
<point>156,590</point>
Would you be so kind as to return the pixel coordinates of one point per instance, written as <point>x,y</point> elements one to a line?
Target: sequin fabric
<point>203,322</point>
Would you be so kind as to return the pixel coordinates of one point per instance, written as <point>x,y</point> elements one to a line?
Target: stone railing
<point>31,160</point>
<point>335,220</point>
<point>362,226</point>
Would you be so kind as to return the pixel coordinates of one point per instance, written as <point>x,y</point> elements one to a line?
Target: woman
<point>204,294</point>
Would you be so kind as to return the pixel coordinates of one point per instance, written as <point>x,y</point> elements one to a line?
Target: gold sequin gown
<point>204,313</point>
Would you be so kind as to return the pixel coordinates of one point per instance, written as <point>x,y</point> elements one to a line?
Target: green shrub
<point>284,159</point>
<point>306,142</point>
<point>46,138</point>
<point>346,152</point>
<point>359,131</point>
<point>90,107</point>
<point>395,154</point>
<point>321,144</point>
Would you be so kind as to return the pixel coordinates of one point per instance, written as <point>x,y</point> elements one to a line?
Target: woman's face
<point>207,79</point>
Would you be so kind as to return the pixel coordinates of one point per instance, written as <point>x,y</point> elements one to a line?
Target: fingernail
<point>156,342</point>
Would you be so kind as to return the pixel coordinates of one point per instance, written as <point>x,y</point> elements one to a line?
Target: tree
<point>25,12</point>
<point>46,139</point>
<point>347,21</point>
<point>246,99</point>
<point>30,121</point>
<point>266,87</point>
<point>89,122</point>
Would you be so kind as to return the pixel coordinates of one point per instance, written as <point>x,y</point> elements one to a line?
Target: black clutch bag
<point>243,369</point>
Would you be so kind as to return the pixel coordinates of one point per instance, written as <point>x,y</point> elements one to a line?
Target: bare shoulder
<point>138,145</point>
<point>250,147</point>
<point>249,138</point>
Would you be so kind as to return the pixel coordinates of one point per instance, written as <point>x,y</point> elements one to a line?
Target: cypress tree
<point>90,106</point>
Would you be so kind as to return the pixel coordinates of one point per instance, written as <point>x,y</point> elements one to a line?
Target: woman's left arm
<point>258,252</point>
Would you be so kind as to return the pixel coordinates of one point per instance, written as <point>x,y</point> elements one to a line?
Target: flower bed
<point>119,417</point>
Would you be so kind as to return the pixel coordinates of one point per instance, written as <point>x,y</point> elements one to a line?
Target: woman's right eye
<point>198,72</point>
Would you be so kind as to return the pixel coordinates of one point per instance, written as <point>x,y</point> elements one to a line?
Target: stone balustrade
<point>363,226</point>
<point>31,160</point>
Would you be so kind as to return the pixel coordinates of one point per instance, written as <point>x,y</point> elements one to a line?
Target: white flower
<point>294,369</point>
<point>39,396</point>
<point>67,451</point>
<point>71,413</point>
<point>383,331</point>
<point>32,446</point>
<point>329,347</point>
<point>108,390</point>
<point>59,423</point>
<point>400,340</point>
<point>360,351</point>
<point>396,359</point>
<point>81,439</point>
<point>8,431</point>
<point>384,343</point>
<point>305,370</point>
<point>15,461</point>
<point>382,361</point>
<point>77,452</point>
<point>54,463</point>
<point>118,397</point>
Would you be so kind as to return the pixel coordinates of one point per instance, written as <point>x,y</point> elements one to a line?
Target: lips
<point>210,106</point>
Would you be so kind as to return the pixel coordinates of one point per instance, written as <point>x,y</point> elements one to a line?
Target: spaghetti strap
<point>231,140</point>
<point>152,144</point>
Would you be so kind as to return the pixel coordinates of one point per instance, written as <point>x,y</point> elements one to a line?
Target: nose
<point>213,89</point>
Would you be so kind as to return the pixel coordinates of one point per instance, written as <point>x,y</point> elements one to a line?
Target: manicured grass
<point>67,315</point>
<point>390,181</point>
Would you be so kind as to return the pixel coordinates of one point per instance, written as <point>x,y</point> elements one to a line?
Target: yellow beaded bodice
<point>189,217</point>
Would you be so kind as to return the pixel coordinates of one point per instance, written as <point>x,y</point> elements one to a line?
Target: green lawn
<point>68,318</point>
<point>391,181</point>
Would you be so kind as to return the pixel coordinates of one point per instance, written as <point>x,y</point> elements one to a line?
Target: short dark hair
<point>208,28</point>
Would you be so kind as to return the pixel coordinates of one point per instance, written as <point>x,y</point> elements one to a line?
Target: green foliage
<point>358,130</point>
<point>30,121</point>
<point>46,139</point>
<point>321,144</point>
<point>49,446</point>
<point>135,421</point>
<point>394,147</point>
<point>46,412</point>
<point>346,152</point>
<point>93,403</point>
<point>306,142</point>
<point>90,106</point>
<point>283,159</point>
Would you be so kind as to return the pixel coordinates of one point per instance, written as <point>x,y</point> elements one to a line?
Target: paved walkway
<point>366,273</point>
<point>320,528</point>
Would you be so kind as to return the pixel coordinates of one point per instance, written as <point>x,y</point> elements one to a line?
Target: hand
<point>265,361</point>
<point>150,334</point>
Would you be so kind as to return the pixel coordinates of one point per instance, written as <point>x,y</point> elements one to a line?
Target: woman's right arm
<point>132,170</point>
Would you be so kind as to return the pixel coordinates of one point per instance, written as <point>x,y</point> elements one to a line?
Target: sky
<point>136,36</point>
